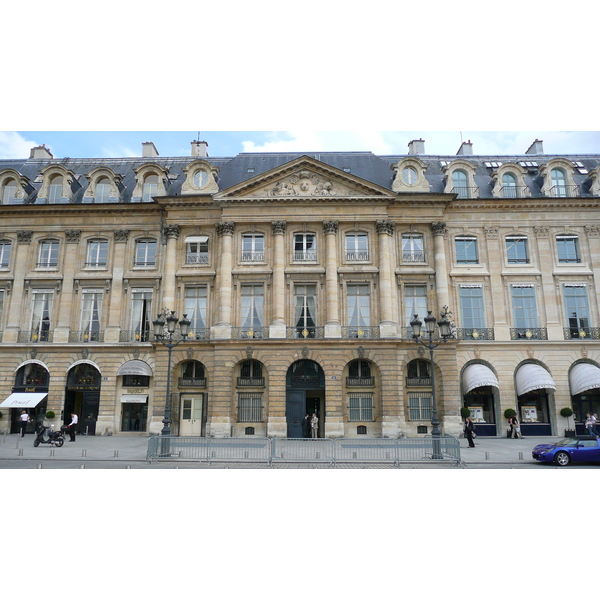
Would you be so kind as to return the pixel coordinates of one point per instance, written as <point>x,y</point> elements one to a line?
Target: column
<point>117,300</point>
<point>17,313</point>
<point>222,330</point>
<point>441,269</point>
<point>277,328</point>
<point>333,328</point>
<point>550,304</point>
<point>495,267</point>
<point>593,238</point>
<point>66,301</point>
<point>387,327</point>
<point>171,234</point>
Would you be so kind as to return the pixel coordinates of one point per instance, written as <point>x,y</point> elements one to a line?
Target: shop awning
<point>135,367</point>
<point>583,377</point>
<point>533,377</point>
<point>23,400</point>
<point>475,376</point>
<point>135,398</point>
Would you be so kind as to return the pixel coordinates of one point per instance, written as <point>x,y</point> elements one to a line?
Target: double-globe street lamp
<point>445,331</point>
<point>166,339</point>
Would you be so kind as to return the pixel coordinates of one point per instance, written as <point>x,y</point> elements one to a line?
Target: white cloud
<point>14,145</point>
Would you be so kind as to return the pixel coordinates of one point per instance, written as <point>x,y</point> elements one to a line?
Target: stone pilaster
<point>277,328</point>
<point>222,330</point>
<point>441,269</point>
<point>333,328</point>
<point>117,303</point>
<point>171,234</point>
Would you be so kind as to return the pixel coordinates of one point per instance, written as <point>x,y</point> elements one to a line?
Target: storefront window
<point>533,407</point>
<point>136,381</point>
<point>481,402</point>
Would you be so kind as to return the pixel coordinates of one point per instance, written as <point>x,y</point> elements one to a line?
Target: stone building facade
<point>300,274</point>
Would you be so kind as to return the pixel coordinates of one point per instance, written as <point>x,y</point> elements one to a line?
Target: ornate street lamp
<point>166,339</point>
<point>445,332</point>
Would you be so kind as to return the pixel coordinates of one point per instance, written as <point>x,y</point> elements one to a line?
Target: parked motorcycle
<point>47,435</point>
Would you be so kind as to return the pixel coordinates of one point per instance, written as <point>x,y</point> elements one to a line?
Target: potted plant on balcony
<point>568,412</point>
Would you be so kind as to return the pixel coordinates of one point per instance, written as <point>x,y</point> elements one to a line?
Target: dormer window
<point>150,188</point>
<point>558,179</point>
<point>509,181</point>
<point>460,182</point>
<point>460,179</point>
<point>103,189</point>
<point>55,189</point>
<point>509,185</point>
<point>410,175</point>
<point>559,183</point>
<point>9,192</point>
<point>200,178</point>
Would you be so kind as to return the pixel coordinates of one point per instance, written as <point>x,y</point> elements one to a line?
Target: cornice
<point>495,205</point>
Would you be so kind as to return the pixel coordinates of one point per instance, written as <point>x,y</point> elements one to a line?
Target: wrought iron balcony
<point>36,336</point>
<point>475,333</point>
<point>250,333</point>
<point>86,336</point>
<point>564,191</point>
<point>528,333</point>
<point>418,381</point>
<point>134,336</point>
<point>251,382</point>
<point>357,256</point>
<point>199,382</point>
<point>360,381</point>
<point>305,333</point>
<point>413,257</point>
<point>466,192</point>
<point>581,333</point>
<point>360,332</point>
<point>196,259</point>
<point>305,256</point>
<point>253,257</point>
<point>514,191</point>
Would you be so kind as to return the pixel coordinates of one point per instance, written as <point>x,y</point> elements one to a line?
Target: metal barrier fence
<point>273,450</point>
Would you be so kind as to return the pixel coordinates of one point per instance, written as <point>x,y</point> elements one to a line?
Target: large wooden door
<point>191,415</point>
<point>295,409</point>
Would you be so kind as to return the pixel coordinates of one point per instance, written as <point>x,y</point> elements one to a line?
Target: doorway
<point>305,393</point>
<point>82,397</point>
<point>192,416</point>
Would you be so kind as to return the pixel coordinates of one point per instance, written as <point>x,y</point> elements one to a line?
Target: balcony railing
<point>357,256</point>
<point>360,381</point>
<point>251,382</point>
<point>528,333</point>
<point>253,257</point>
<point>192,382</point>
<point>564,191</point>
<point>581,333</point>
<point>305,256</point>
<point>134,336</point>
<point>36,336</point>
<point>360,332</point>
<point>466,192</point>
<point>413,257</point>
<point>514,191</point>
<point>86,336</point>
<point>305,333</point>
<point>196,259</point>
<point>250,333</point>
<point>475,333</point>
<point>418,381</point>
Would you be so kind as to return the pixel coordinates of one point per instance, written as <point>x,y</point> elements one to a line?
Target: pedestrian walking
<point>314,423</point>
<point>24,418</point>
<point>515,427</point>
<point>590,425</point>
<point>72,426</point>
<point>469,431</point>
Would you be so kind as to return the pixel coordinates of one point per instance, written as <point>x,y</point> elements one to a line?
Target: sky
<point>112,144</point>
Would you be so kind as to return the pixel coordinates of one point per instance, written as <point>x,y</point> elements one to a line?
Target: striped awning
<point>134,398</point>
<point>533,377</point>
<point>583,377</point>
<point>475,376</point>
<point>135,367</point>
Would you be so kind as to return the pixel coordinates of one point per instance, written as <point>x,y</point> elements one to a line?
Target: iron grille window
<point>360,407</point>
<point>361,430</point>
<point>419,406</point>
<point>249,431</point>
<point>250,408</point>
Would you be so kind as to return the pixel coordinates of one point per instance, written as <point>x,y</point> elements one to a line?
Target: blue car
<point>580,449</point>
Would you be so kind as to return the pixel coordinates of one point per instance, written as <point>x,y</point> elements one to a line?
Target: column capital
<point>439,228</point>
<point>73,235</point>
<point>171,231</point>
<point>330,226</point>
<point>121,235</point>
<point>278,227</point>
<point>24,237</point>
<point>386,226</point>
<point>225,228</point>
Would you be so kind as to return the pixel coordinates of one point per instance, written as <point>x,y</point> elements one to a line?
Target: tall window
<point>461,183</point>
<point>41,313</point>
<point>252,308</point>
<point>97,252</point>
<point>250,407</point>
<point>509,185</point>
<point>559,183</point>
<point>102,190</point>
<point>150,188</point>
<point>305,310</point>
<point>91,312</point>
<point>1,308</point>
<point>4,253</point>
<point>418,373</point>
<point>524,306</point>
<point>195,308</point>
<point>419,406</point>
<point>415,302</point>
<point>196,250</point>
<point>305,247</point>
<point>145,253</point>
<point>359,306</point>
<point>48,257</point>
<point>577,308</point>
<point>516,249</point>
<point>471,306</point>
<point>568,249</point>
<point>357,247</point>
<point>466,250</point>
<point>253,247</point>
<point>141,314</point>
<point>9,192</point>
<point>413,249</point>
<point>55,189</point>
<point>360,407</point>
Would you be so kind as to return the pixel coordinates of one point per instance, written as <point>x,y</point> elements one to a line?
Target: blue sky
<point>99,144</point>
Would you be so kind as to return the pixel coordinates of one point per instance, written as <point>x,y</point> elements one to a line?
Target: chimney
<point>536,148</point>
<point>466,148</point>
<point>199,148</point>
<point>40,152</point>
<point>416,147</point>
<point>149,150</point>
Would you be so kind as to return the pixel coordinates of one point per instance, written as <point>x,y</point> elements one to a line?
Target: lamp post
<point>445,333</point>
<point>166,339</point>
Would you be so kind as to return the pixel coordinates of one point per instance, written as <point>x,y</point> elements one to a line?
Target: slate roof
<point>235,170</point>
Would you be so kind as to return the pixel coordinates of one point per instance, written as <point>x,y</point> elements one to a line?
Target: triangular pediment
<point>304,177</point>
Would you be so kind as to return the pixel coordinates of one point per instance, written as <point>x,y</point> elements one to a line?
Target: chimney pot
<point>416,147</point>
<point>149,150</point>
<point>199,148</point>
<point>40,152</point>
<point>536,148</point>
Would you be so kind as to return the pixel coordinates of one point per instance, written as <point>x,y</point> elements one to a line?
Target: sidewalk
<point>132,448</point>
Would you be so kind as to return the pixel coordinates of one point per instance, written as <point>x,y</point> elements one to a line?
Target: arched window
<point>251,374</point>
<point>559,183</point>
<point>150,188</point>
<point>102,190</point>
<point>85,375</point>
<point>509,185</point>
<point>9,192</point>
<point>359,373</point>
<point>419,373</point>
<point>192,374</point>
<point>32,374</point>
<point>461,183</point>
<point>55,189</point>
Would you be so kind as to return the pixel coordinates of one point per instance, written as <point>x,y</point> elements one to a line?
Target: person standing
<point>24,418</point>
<point>72,426</point>
<point>590,425</point>
<point>515,427</point>
<point>306,426</point>
<point>469,430</point>
<point>314,423</point>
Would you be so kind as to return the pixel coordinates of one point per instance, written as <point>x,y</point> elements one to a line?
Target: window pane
<point>4,254</point>
<point>516,250</point>
<point>415,302</point>
<point>466,250</point>
<point>524,306</point>
<point>472,309</point>
<point>568,249</point>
